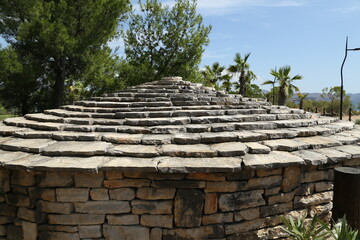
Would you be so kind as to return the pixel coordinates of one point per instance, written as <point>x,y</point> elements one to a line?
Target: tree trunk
<point>301,104</point>
<point>24,106</point>
<point>282,96</point>
<point>242,83</point>
<point>59,83</point>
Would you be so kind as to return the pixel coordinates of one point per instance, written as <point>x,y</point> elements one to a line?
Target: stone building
<point>167,160</point>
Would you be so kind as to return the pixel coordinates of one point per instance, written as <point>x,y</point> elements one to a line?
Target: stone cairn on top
<point>173,125</point>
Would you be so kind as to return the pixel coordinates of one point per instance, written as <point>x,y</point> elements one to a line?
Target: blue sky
<point>309,35</point>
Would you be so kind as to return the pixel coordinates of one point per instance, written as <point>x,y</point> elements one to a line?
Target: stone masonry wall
<point>155,206</point>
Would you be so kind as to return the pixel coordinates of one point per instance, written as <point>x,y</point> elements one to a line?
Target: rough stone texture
<point>241,200</point>
<point>168,160</point>
<point>188,208</point>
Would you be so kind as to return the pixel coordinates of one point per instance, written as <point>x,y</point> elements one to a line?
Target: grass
<point>2,117</point>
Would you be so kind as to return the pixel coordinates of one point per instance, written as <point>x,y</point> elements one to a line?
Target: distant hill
<point>355,97</point>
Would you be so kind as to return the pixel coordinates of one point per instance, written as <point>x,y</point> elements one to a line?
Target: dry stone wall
<point>153,206</point>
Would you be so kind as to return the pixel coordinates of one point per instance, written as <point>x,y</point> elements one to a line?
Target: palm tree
<point>241,68</point>
<point>273,86</point>
<point>213,73</point>
<point>226,84</point>
<point>301,99</point>
<point>286,87</point>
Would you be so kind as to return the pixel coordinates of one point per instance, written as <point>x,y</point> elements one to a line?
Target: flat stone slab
<point>134,151</point>
<point>122,138</point>
<point>72,148</point>
<point>156,139</point>
<point>311,157</point>
<point>6,156</point>
<point>274,159</point>
<point>196,150</point>
<point>321,142</point>
<point>257,148</point>
<point>27,145</point>
<point>188,165</point>
<point>354,150</point>
<point>230,149</point>
<point>131,164</point>
<point>278,133</point>
<point>288,145</point>
<point>333,154</point>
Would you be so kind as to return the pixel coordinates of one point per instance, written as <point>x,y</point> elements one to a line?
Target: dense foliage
<point>59,42</point>
<point>166,41</point>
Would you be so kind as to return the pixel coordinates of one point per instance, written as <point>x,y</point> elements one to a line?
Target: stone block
<point>155,193</point>
<point>151,207</point>
<point>72,194</point>
<point>241,200</point>
<point>56,179</point>
<point>312,200</point>
<point>93,231</point>
<point>30,230</point>
<point>58,228</point>
<point>265,182</point>
<point>305,189</point>
<point>23,178</point>
<point>244,226</point>
<point>128,219</point>
<point>76,219</point>
<point>314,176</point>
<point>84,179</point>
<point>156,234</point>
<point>127,183</point>
<point>188,207</point>
<point>323,186</point>
<point>163,221</point>
<point>206,176</point>
<point>268,172</point>
<point>244,174</point>
<point>178,184</point>
<point>218,218</point>
<point>211,203</point>
<point>122,194</point>
<point>46,194</point>
<point>247,214</point>
<point>275,209</point>
<point>204,232</point>
<point>58,236</point>
<point>31,215</point>
<point>228,186</point>
<point>129,232</point>
<point>103,207</point>
<point>54,207</point>
<point>291,178</point>
<point>14,232</point>
<point>99,194</point>
<point>281,198</point>
<point>112,175</point>
<point>18,200</point>
<point>6,210</point>
<point>272,191</point>
<point>230,149</point>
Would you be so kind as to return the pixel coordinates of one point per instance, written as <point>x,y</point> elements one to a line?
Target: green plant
<point>343,231</point>
<point>300,229</point>
<point>357,121</point>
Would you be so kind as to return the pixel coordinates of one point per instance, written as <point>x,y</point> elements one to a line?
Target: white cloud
<point>347,10</point>
<point>224,7</point>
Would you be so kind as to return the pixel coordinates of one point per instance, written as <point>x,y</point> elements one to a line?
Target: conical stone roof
<point>173,125</point>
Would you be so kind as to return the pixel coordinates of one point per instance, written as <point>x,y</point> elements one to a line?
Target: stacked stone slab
<point>168,160</point>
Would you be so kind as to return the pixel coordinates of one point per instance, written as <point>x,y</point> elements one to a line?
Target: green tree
<point>213,73</point>
<point>61,36</point>
<point>19,85</point>
<point>166,41</point>
<point>241,69</point>
<point>286,86</point>
<point>333,94</point>
<point>226,84</point>
<point>302,97</point>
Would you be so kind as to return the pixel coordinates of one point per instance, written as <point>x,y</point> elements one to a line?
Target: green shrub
<point>301,229</point>
<point>357,121</point>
